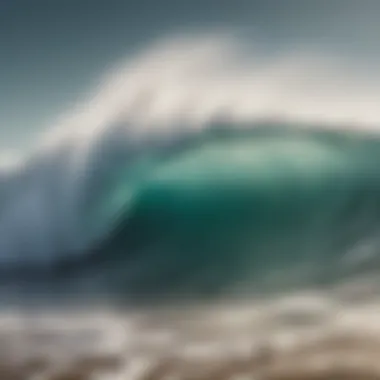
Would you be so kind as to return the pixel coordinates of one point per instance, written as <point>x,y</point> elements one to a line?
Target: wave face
<point>222,213</point>
<point>202,204</point>
<point>232,212</point>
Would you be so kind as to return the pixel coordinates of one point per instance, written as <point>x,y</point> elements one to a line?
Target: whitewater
<point>237,189</point>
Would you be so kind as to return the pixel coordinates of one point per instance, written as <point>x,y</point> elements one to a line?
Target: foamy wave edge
<point>181,84</point>
<point>300,335</point>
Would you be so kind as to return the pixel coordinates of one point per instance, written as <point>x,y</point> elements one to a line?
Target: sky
<point>53,52</point>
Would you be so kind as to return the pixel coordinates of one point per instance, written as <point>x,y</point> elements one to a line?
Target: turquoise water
<point>236,212</point>
<point>215,213</point>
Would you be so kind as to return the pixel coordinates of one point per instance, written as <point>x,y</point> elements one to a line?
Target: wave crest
<point>171,99</point>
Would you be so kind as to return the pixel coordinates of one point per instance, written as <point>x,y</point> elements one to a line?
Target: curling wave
<point>194,193</point>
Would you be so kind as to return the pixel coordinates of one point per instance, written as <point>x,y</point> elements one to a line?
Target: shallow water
<point>309,335</point>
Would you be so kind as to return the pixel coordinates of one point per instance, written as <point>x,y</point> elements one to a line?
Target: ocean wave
<point>200,168</point>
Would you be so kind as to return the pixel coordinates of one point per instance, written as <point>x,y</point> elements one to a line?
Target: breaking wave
<point>200,169</point>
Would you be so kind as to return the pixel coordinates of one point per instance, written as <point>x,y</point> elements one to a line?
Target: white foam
<point>184,82</point>
<point>345,331</point>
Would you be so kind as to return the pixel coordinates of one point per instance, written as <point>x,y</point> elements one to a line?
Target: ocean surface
<point>214,213</point>
<point>219,212</point>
